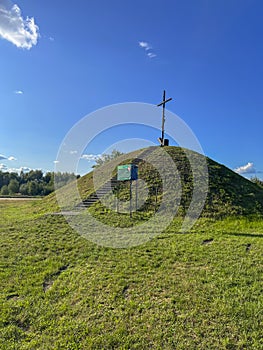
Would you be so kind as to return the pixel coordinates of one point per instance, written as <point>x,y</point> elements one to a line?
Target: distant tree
<point>33,188</point>
<point>35,175</point>
<point>13,176</point>
<point>47,189</point>
<point>23,177</point>
<point>107,157</point>
<point>49,177</point>
<point>4,179</point>
<point>257,181</point>
<point>4,190</point>
<point>13,186</point>
<point>63,179</point>
<point>33,183</point>
<point>23,189</point>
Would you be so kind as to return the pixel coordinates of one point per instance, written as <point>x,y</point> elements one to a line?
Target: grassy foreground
<point>201,290</point>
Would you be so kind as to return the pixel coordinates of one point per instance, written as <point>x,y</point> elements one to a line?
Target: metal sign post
<point>136,195</point>
<point>130,198</point>
<point>128,172</point>
<point>117,196</point>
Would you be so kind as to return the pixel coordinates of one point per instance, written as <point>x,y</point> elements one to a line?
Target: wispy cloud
<point>148,48</point>
<point>90,157</point>
<point>246,169</point>
<point>3,167</point>
<point>18,92</point>
<point>73,152</point>
<point>23,33</point>
<point>151,55</point>
<point>25,169</point>
<point>56,161</point>
<point>145,45</point>
<point>7,158</point>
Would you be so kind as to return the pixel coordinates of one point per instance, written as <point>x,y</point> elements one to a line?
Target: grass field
<point>201,290</point>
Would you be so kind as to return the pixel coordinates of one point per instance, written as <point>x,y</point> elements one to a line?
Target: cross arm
<point>164,102</point>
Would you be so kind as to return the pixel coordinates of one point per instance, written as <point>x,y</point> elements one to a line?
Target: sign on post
<point>127,172</point>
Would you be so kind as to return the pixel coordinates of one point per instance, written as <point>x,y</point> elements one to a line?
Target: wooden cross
<point>161,139</point>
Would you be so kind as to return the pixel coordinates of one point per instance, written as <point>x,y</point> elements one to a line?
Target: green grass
<point>201,290</point>
<point>228,192</point>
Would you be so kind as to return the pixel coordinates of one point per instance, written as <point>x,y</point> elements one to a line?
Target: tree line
<point>257,181</point>
<point>32,183</point>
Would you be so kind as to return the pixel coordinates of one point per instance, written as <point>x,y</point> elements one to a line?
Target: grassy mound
<point>228,193</point>
<point>200,290</point>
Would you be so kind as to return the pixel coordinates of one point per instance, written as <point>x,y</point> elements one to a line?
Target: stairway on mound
<point>102,191</point>
<point>113,182</point>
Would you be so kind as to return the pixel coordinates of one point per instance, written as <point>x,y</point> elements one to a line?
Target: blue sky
<point>62,60</point>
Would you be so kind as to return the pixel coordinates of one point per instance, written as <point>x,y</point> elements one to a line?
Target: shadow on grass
<point>255,235</point>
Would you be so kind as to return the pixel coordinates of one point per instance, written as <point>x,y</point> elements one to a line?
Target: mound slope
<point>227,192</point>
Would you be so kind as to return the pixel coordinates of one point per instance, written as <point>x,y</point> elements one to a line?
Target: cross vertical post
<point>161,139</point>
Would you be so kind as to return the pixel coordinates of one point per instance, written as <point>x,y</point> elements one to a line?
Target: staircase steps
<point>111,184</point>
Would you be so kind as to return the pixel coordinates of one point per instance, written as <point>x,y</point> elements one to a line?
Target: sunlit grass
<point>201,290</point>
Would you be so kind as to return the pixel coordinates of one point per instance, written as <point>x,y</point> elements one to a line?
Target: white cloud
<point>148,48</point>
<point>246,169</point>
<point>145,45</point>
<point>7,158</point>
<point>3,167</point>
<point>12,170</point>
<point>18,92</point>
<point>23,33</point>
<point>56,161</point>
<point>73,152</point>
<point>51,38</point>
<point>90,157</point>
<point>151,55</point>
<point>25,169</point>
